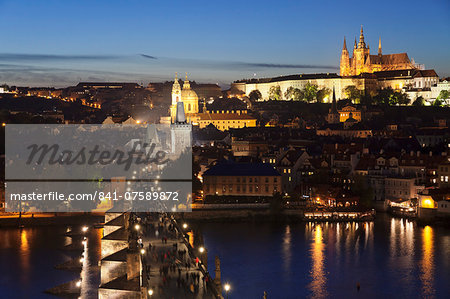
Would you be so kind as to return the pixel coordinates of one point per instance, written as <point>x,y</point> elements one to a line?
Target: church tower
<point>345,61</point>
<point>181,131</point>
<point>176,90</point>
<point>176,97</point>
<point>333,113</point>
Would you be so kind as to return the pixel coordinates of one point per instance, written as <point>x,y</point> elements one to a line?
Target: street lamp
<point>185,225</point>
<point>84,229</point>
<point>227,289</point>
<point>137,227</point>
<point>201,249</point>
<point>150,292</point>
<point>142,251</point>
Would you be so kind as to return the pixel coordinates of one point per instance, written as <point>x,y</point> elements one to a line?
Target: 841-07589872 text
<point>138,195</point>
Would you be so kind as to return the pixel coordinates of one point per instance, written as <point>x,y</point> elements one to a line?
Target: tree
<point>419,101</point>
<point>293,93</point>
<point>310,92</point>
<point>322,94</point>
<point>437,103</point>
<point>401,98</point>
<point>255,95</point>
<point>444,95</point>
<point>390,97</point>
<point>275,93</point>
<point>353,94</point>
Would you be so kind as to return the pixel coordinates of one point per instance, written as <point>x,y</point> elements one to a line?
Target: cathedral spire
<point>344,48</point>
<point>355,44</point>
<point>361,39</point>
<point>379,47</point>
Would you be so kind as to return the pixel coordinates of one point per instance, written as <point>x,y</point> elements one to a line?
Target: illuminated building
<point>226,120</point>
<point>186,95</point>
<point>241,179</point>
<point>363,62</point>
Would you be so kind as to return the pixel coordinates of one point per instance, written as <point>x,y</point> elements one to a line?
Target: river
<point>389,257</point>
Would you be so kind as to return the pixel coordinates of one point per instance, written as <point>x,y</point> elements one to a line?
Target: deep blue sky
<point>214,41</point>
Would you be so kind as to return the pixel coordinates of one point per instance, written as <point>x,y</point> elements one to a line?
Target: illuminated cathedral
<point>363,62</point>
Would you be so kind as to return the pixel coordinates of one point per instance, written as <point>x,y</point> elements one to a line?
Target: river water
<point>390,257</point>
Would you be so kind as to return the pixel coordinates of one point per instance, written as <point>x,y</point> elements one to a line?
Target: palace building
<point>363,62</point>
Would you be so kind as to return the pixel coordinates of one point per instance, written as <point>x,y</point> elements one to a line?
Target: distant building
<point>241,179</point>
<point>444,175</point>
<point>225,120</point>
<point>349,129</point>
<point>401,188</point>
<point>108,85</point>
<point>248,146</point>
<point>349,112</point>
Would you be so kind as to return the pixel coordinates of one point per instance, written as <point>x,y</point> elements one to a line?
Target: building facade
<point>241,179</point>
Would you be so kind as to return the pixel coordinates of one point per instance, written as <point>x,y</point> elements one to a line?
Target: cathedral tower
<point>361,56</point>
<point>362,62</point>
<point>345,61</point>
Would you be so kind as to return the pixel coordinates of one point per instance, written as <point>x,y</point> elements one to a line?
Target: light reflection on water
<point>390,257</point>
<point>427,263</point>
<point>318,275</point>
<point>28,258</point>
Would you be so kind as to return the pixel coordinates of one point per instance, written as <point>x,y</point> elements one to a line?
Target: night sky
<point>58,43</point>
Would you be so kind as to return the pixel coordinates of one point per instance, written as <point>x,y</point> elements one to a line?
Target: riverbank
<point>45,219</point>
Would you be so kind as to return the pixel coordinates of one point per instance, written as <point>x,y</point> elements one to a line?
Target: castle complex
<point>363,62</point>
<point>364,71</point>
